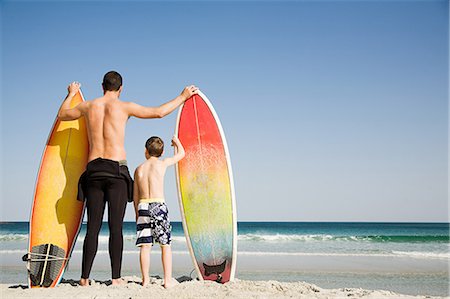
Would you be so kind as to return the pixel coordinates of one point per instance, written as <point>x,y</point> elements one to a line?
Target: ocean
<point>409,258</point>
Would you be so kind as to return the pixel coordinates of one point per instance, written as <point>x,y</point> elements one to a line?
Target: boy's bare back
<point>149,176</point>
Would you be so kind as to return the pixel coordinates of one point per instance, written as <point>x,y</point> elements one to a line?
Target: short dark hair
<point>112,81</point>
<point>154,146</point>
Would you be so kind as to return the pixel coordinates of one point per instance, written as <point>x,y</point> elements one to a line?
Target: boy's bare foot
<point>170,283</point>
<point>84,282</point>
<point>145,281</point>
<point>118,282</point>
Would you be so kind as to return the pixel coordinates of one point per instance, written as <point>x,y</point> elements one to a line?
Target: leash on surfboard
<point>28,257</point>
<point>190,274</point>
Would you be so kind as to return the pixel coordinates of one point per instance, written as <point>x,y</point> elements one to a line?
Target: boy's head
<point>112,81</point>
<point>154,146</point>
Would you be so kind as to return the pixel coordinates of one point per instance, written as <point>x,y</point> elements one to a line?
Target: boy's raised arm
<point>179,152</point>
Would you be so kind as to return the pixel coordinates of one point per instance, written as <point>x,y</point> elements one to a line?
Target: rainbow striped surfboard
<point>206,191</point>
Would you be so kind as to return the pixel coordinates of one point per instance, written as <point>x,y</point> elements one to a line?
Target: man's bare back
<point>107,116</point>
<point>106,119</point>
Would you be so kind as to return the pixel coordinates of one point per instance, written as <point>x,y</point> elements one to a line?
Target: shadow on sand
<point>76,283</point>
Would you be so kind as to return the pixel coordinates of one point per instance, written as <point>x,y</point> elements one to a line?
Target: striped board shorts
<point>153,225</point>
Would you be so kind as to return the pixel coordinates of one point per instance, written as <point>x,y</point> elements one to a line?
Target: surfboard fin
<point>215,269</point>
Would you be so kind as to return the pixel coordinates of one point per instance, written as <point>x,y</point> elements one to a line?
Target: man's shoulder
<point>126,103</point>
<point>89,103</point>
<point>94,100</point>
<point>106,100</point>
<point>123,105</point>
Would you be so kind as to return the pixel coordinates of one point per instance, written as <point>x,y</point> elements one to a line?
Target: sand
<point>194,289</point>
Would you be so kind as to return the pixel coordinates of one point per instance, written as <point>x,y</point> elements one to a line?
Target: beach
<point>196,289</point>
<point>274,260</point>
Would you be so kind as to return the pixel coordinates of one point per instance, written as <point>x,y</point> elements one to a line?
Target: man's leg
<point>95,206</point>
<point>116,194</point>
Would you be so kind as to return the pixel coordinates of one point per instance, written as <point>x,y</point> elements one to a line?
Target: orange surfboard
<point>56,214</point>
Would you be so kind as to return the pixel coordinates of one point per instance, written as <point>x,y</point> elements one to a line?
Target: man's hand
<point>67,113</point>
<point>189,91</point>
<point>74,88</point>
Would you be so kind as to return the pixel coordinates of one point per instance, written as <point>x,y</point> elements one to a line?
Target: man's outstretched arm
<point>139,111</point>
<point>65,112</point>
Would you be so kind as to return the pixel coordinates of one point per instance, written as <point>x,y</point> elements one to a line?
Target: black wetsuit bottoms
<point>98,190</point>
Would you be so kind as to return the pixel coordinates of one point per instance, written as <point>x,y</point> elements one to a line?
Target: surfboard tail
<point>45,262</point>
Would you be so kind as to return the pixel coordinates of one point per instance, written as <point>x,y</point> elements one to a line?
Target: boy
<point>152,221</point>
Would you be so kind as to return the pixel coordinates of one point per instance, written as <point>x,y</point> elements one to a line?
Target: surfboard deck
<point>56,214</point>
<point>206,191</point>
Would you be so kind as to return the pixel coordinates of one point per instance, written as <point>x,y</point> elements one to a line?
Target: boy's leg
<point>145,263</point>
<point>166,257</point>
<point>163,229</point>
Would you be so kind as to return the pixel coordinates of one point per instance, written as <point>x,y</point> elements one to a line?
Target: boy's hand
<point>175,140</point>
<point>189,91</point>
<point>74,88</point>
<point>179,152</point>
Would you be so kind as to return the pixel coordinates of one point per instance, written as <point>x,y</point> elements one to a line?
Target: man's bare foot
<point>84,282</point>
<point>170,283</point>
<point>118,282</point>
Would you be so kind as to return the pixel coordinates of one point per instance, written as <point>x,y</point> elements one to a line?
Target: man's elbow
<point>61,116</point>
<point>68,116</point>
<point>161,112</point>
<point>154,113</point>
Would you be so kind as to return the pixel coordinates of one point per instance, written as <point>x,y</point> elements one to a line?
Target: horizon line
<point>276,221</point>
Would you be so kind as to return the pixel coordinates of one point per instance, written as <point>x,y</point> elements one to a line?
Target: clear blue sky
<point>333,110</point>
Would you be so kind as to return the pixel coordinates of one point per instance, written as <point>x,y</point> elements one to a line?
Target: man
<point>107,177</point>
